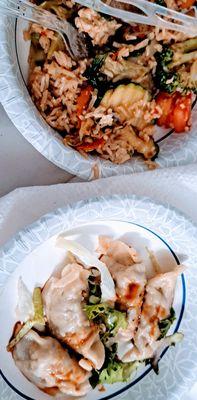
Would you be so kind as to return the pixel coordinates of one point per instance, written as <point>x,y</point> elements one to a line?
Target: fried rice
<point>85,100</point>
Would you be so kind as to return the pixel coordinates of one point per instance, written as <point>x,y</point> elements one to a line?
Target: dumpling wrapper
<point>129,275</point>
<point>62,298</point>
<point>47,365</point>
<point>88,259</point>
<point>156,307</point>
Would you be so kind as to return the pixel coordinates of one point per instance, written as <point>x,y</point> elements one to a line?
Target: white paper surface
<point>176,186</point>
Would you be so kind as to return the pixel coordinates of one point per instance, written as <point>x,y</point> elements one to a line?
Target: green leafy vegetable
<point>167,77</point>
<point>165,324</point>
<point>113,370</point>
<point>38,319</point>
<point>92,72</point>
<point>161,3</point>
<point>110,355</point>
<point>112,319</point>
<point>94,290</point>
<point>94,311</point>
<point>96,78</point>
<point>38,306</point>
<point>23,331</point>
<point>117,371</point>
<point>137,53</point>
<point>186,46</point>
<point>165,80</point>
<point>171,340</point>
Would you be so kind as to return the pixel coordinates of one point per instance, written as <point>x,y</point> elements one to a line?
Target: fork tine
<point>156,12</point>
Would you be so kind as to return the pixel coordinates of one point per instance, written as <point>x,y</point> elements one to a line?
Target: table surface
<point>20,164</point>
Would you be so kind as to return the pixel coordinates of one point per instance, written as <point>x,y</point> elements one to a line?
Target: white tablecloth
<point>177,186</point>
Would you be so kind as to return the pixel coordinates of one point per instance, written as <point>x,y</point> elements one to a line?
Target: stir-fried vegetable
<point>113,370</point>
<point>92,72</point>
<point>57,44</point>
<point>38,319</point>
<point>25,307</point>
<point>186,46</point>
<point>161,3</point>
<point>124,96</point>
<point>164,79</point>
<point>23,331</point>
<point>171,340</point>
<point>176,110</point>
<point>186,3</point>
<point>94,290</point>
<point>57,7</point>
<point>95,78</point>
<point>38,306</point>
<point>166,323</point>
<point>94,145</point>
<point>117,371</point>
<point>111,318</point>
<point>83,99</point>
<point>167,76</point>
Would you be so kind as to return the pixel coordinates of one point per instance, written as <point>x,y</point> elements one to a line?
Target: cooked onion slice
<point>38,320</point>
<point>90,260</point>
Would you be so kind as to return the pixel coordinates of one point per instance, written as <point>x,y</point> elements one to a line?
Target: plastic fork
<point>74,40</point>
<point>144,12</point>
<point>148,13</point>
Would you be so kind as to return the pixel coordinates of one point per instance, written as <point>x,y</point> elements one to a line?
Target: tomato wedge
<point>181,113</point>
<point>87,147</point>
<point>186,3</point>
<point>176,110</point>
<point>164,101</point>
<point>83,99</point>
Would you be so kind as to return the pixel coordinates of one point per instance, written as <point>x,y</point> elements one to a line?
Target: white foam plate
<point>33,255</point>
<point>175,149</point>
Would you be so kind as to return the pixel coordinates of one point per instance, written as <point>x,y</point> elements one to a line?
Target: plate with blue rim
<point>175,149</point>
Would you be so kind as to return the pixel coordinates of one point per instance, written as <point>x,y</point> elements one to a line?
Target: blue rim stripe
<point>113,395</point>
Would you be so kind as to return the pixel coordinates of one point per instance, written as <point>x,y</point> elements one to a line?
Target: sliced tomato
<point>87,147</point>
<point>181,113</point>
<point>83,99</point>
<point>164,101</point>
<point>114,56</point>
<point>176,110</point>
<point>186,3</point>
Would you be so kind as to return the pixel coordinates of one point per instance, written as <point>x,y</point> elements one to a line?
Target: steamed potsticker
<point>49,366</point>
<point>157,305</point>
<point>63,299</point>
<point>129,275</point>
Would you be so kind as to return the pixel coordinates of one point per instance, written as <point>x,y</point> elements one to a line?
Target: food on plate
<point>136,77</point>
<point>66,319</point>
<point>75,334</point>
<point>49,366</point>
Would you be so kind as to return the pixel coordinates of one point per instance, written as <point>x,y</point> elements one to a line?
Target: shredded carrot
<point>186,3</point>
<point>87,147</point>
<point>83,99</point>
